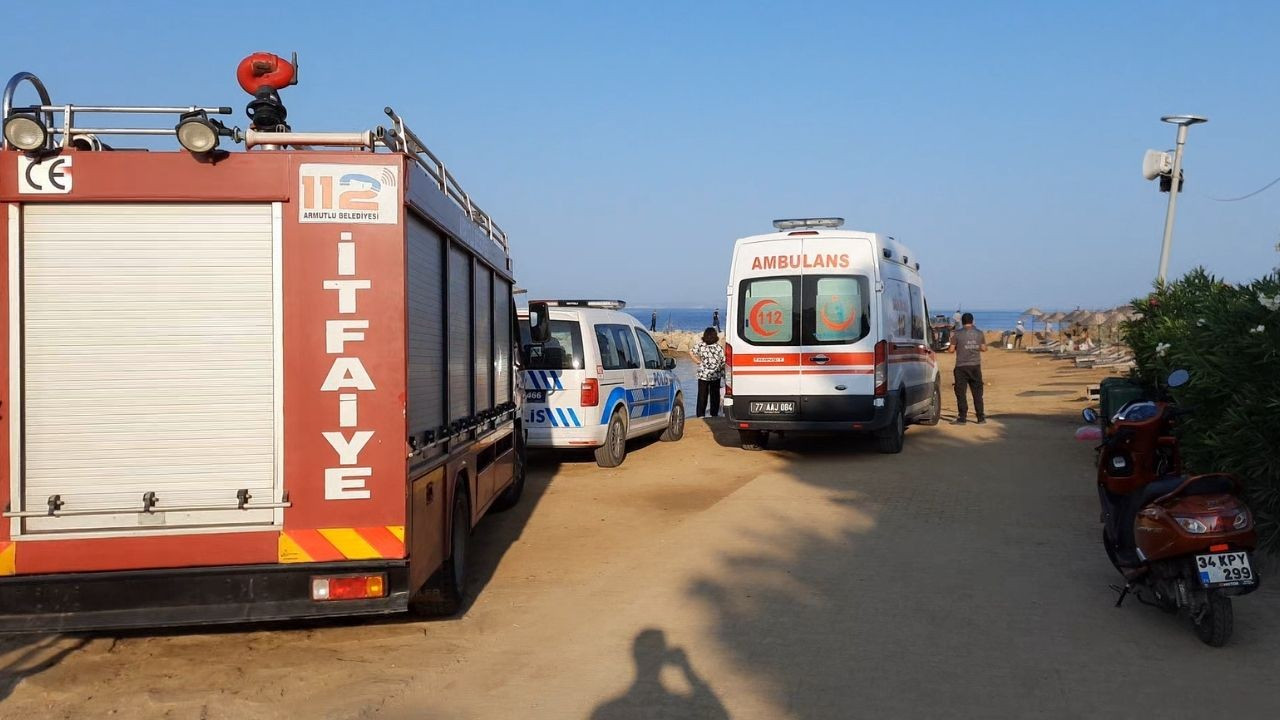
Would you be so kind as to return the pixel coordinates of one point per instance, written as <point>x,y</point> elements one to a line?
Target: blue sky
<point>625,146</point>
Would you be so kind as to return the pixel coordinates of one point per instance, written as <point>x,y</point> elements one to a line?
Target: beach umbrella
<point>1034,312</point>
<point>1096,319</point>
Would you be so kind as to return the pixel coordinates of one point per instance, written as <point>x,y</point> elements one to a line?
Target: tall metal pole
<point>1183,122</point>
<point>1173,205</point>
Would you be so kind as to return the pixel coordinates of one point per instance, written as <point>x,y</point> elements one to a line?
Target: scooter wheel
<point>1215,625</point>
<point>1111,550</point>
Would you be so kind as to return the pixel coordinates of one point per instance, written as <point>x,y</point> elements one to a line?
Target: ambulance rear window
<point>562,352</point>
<point>836,309</point>
<point>766,310</point>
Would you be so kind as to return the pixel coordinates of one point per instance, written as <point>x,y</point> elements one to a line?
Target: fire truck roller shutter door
<point>459,334</point>
<point>483,372</point>
<point>502,340</point>
<point>426,329</point>
<point>149,356</point>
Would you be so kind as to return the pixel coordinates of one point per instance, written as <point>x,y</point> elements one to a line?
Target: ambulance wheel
<point>511,496</point>
<point>891,438</point>
<point>753,439</point>
<point>935,407</point>
<point>443,593</point>
<point>675,425</point>
<point>614,449</point>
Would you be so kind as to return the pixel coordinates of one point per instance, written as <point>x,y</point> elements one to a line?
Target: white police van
<point>592,377</point>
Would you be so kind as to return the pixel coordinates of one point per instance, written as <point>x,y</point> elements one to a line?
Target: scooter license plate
<point>1225,569</point>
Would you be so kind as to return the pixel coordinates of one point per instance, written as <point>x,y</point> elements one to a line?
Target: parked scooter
<point>1185,541</point>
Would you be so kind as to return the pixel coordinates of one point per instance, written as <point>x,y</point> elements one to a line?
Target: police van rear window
<point>562,352</point>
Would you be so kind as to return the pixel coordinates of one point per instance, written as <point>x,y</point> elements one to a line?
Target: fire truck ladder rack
<point>403,139</point>
<point>150,505</point>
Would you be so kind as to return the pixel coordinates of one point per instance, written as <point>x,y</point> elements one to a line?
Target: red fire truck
<point>241,386</point>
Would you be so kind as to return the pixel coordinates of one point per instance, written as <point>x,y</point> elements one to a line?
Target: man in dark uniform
<point>968,343</point>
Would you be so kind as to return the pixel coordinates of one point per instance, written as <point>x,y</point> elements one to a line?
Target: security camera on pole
<point>1167,168</point>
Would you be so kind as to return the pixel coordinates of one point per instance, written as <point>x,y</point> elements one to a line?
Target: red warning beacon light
<point>263,75</point>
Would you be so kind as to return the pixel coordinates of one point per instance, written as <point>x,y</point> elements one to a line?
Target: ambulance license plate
<point>773,408</point>
<point>1225,569</point>
<point>535,396</point>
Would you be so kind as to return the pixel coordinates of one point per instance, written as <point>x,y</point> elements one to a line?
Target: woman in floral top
<point>710,358</point>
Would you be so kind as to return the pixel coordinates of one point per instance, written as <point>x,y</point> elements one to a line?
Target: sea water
<point>699,319</point>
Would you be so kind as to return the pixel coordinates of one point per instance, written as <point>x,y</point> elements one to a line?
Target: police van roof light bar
<point>793,223</point>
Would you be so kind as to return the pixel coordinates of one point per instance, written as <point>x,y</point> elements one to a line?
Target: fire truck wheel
<point>675,425</point>
<point>614,449</point>
<point>511,496</point>
<point>443,594</point>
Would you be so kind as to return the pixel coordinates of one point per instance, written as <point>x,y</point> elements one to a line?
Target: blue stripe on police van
<point>563,420</point>
<point>574,417</point>
<point>533,379</point>
<point>551,418</point>
<point>555,380</point>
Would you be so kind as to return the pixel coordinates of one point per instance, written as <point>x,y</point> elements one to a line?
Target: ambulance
<point>827,331</point>
<point>593,378</point>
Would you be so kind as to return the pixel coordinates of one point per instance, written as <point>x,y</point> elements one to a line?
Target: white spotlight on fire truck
<point>25,132</point>
<point>199,134</point>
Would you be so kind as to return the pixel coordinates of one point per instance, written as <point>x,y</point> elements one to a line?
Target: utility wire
<point>1245,197</point>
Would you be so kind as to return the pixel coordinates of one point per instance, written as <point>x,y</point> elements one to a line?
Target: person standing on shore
<point>715,319</point>
<point>653,322</point>
<point>968,343</point>
<point>710,358</point>
<point>1017,335</point>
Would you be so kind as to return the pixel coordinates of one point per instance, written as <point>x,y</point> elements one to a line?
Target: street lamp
<point>1175,184</point>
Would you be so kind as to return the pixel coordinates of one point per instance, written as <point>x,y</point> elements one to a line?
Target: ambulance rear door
<point>838,353</point>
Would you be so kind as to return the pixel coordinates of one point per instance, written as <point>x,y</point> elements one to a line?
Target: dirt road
<point>818,579</point>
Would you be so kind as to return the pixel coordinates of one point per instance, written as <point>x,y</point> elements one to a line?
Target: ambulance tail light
<point>348,587</point>
<point>590,392</point>
<point>882,369</point>
<point>728,370</point>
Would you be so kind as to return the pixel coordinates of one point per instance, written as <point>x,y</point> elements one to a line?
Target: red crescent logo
<point>837,327</point>
<point>753,318</point>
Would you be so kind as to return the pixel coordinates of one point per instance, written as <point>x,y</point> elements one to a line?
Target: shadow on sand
<point>649,697</point>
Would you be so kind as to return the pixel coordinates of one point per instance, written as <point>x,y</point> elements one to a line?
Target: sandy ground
<point>818,579</point>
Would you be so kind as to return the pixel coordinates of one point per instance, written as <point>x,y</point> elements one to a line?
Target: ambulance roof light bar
<point>794,223</point>
<point>605,304</point>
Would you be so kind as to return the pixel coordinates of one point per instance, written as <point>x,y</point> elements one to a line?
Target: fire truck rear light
<point>1219,548</point>
<point>349,587</point>
<point>590,392</point>
<point>25,132</point>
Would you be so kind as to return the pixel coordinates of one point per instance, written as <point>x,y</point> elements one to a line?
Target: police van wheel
<point>753,439</point>
<point>935,406</point>
<point>614,450</point>
<point>891,438</point>
<point>675,426</point>
<point>443,593</point>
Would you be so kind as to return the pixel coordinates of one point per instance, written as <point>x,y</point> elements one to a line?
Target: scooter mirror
<point>1178,378</point>
<point>1090,416</point>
